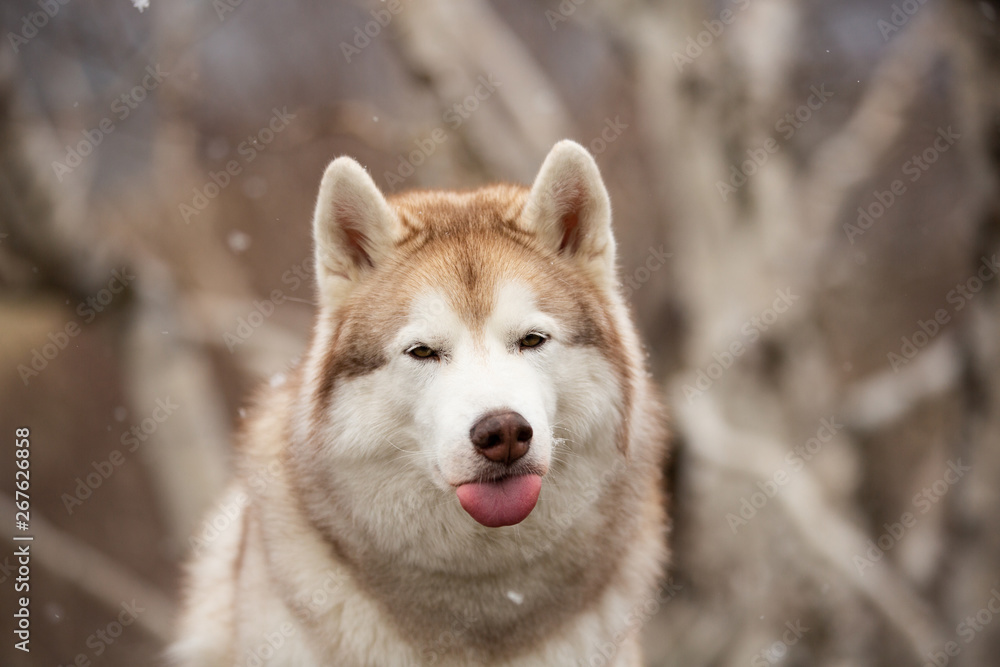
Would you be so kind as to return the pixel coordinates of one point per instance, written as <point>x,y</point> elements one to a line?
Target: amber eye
<point>421,352</point>
<point>532,340</point>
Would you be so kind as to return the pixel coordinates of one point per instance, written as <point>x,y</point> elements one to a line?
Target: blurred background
<point>806,203</point>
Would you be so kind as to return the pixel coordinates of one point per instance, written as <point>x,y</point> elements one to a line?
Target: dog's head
<point>468,341</point>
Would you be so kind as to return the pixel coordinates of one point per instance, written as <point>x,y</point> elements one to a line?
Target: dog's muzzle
<point>507,499</point>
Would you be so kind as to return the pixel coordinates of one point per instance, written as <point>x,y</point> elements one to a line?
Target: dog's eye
<point>532,340</point>
<point>422,352</point>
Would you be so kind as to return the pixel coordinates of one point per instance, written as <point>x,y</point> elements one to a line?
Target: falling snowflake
<point>238,241</point>
<point>140,4</point>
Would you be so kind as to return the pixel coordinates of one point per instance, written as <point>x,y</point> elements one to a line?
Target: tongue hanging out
<point>501,503</point>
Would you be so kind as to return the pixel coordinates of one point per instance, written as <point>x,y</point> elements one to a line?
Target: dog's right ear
<point>569,210</point>
<point>354,228</point>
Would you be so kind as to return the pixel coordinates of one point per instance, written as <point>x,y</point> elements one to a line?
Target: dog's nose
<point>503,437</point>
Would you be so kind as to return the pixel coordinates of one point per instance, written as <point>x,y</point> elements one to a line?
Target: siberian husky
<point>465,469</point>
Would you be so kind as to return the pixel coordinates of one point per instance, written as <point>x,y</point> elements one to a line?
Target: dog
<point>465,468</point>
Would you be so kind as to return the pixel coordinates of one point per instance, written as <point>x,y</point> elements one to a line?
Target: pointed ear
<point>569,209</point>
<point>354,228</point>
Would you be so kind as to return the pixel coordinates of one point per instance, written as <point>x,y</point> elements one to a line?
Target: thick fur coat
<point>347,539</point>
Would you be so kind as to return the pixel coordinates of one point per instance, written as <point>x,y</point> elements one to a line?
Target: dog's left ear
<point>569,209</point>
<point>354,228</point>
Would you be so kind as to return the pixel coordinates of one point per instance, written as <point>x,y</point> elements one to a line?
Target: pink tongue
<point>502,503</point>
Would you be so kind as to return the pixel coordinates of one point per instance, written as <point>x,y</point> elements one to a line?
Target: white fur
<point>394,444</point>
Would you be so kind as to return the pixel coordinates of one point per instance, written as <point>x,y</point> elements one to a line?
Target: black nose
<point>503,437</point>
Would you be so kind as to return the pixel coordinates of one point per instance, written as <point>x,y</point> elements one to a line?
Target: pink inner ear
<point>355,240</point>
<point>571,201</point>
<point>570,224</point>
<point>356,247</point>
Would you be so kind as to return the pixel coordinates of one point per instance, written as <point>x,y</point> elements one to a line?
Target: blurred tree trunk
<point>763,156</point>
